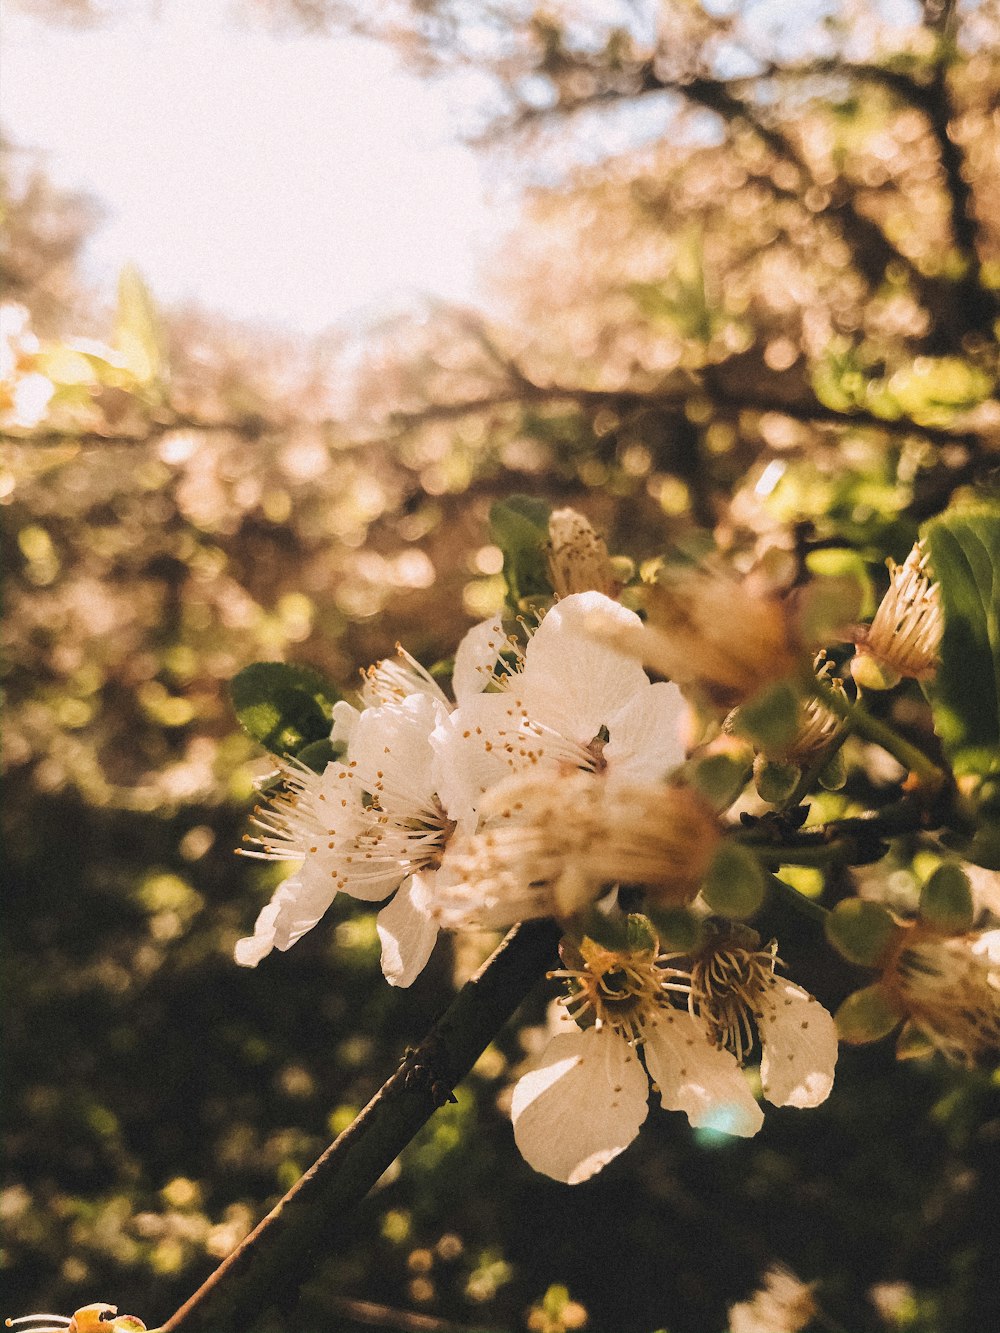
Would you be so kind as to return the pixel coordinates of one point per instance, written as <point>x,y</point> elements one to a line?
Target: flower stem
<point>863,724</point>
<point>268,1268</point>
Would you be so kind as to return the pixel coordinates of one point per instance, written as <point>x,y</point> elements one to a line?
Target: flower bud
<point>577,556</point>
<point>905,635</point>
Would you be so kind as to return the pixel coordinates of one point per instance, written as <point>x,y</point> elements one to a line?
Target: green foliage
<point>520,527</point>
<point>285,708</point>
<point>964,548</point>
<point>138,331</point>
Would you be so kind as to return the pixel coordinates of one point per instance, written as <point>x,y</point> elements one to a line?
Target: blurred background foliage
<point>755,290</point>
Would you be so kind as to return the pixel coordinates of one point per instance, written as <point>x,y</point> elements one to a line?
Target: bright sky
<point>285,177</point>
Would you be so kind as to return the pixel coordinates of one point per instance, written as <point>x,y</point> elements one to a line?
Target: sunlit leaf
<point>520,526</point>
<point>964,547</point>
<point>285,708</point>
<point>138,335</point>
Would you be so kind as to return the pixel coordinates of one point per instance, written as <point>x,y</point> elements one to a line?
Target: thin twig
<point>267,1270</point>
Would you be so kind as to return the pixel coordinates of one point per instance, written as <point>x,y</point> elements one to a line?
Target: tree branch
<point>268,1268</point>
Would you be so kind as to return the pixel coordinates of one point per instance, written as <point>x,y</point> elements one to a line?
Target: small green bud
<point>860,931</point>
<point>774,781</point>
<point>870,674</point>
<point>770,719</point>
<point>679,930</point>
<point>640,934</point>
<point>912,1044</point>
<point>719,777</point>
<point>608,929</point>
<point>946,900</point>
<point>865,1016</point>
<point>736,882</point>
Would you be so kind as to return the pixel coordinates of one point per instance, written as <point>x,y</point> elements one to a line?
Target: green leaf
<point>285,708</point>
<point>317,754</point>
<point>844,562</point>
<point>138,334</point>
<point>867,1015</point>
<point>964,548</point>
<point>520,526</point>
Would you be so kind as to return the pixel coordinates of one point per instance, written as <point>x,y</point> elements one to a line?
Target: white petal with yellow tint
<point>390,751</point>
<point>571,682</point>
<point>294,909</point>
<point>645,735</point>
<point>477,746</point>
<point>407,932</point>
<point>581,1106</point>
<point>799,1042</point>
<point>695,1077</point>
<point>477,657</point>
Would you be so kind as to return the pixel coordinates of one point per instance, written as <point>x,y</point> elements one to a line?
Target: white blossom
<point>550,843</point>
<point>370,825</point>
<point>586,1098</point>
<point>564,700</point>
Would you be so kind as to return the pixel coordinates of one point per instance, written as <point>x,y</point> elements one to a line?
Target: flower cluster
<point>558,780</point>
<point>584,1102</point>
<point>412,812</point>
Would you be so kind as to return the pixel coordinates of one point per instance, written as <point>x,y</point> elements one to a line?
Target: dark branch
<point>267,1269</point>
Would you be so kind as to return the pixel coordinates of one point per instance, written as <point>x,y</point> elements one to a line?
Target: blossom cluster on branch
<point>559,780</point>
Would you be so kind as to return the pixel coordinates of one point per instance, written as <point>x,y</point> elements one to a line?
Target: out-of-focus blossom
<point>783,1304</point>
<point>904,637</point>
<point>25,392</point>
<point>577,556</point>
<point>550,843</point>
<point>707,627</point>
<point>947,989</point>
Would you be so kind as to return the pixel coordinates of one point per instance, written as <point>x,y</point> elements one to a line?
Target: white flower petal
<point>407,932</point>
<point>581,1106</point>
<point>294,909</point>
<point>345,719</point>
<point>646,734</point>
<point>695,1077</point>
<point>571,682</point>
<point>479,745</point>
<point>799,1041</point>
<point>390,750</point>
<point>477,655</point>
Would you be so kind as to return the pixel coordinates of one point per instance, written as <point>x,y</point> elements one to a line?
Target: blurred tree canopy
<point>755,290</point>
